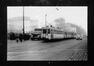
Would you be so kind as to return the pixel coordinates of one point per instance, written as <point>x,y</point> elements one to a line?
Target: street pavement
<point>70,49</point>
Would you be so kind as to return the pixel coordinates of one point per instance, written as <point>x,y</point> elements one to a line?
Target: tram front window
<point>44,31</point>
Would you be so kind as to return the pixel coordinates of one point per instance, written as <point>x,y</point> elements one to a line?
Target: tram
<point>50,33</point>
<point>36,34</point>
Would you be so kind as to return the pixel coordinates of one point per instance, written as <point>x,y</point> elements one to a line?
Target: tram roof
<point>53,28</point>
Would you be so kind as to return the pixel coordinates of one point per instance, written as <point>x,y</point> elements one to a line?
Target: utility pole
<point>23,21</point>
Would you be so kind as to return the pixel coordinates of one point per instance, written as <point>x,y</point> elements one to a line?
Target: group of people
<point>18,37</point>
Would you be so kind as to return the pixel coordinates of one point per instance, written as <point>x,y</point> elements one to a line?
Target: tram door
<point>44,32</point>
<point>51,33</point>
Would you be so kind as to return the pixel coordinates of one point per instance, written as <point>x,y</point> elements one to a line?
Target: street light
<point>58,10</point>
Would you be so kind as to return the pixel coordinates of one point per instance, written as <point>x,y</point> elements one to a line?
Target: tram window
<point>48,30</point>
<point>44,31</point>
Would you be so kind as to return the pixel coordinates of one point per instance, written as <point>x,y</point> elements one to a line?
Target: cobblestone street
<point>38,50</point>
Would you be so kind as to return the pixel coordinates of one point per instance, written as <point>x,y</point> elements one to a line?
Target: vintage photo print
<point>43,33</point>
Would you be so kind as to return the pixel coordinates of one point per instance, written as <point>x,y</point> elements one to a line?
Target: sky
<point>72,14</point>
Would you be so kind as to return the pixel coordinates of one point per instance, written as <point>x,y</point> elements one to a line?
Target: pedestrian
<point>17,40</point>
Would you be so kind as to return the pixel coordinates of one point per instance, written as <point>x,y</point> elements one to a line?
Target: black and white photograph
<point>43,33</point>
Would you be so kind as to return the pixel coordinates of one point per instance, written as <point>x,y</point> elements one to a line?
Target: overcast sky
<point>75,15</point>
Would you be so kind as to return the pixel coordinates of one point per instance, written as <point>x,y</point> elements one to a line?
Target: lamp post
<point>45,20</point>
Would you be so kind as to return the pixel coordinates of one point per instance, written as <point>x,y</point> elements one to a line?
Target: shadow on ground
<point>55,40</point>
